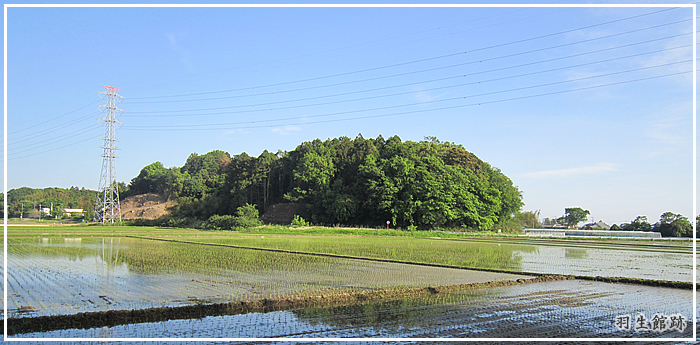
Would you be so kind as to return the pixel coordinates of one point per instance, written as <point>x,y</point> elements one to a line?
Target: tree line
<point>669,225</point>
<point>25,200</point>
<point>367,182</point>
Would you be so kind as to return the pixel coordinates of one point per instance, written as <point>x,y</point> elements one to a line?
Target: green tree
<point>674,225</point>
<point>509,195</point>
<point>530,219</point>
<point>426,184</point>
<point>638,224</point>
<point>174,183</point>
<point>264,167</point>
<point>247,216</point>
<point>575,215</point>
<point>72,197</point>
<point>240,179</point>
<point>208,169</point>
<point>151,179</point>
<point>26,206</point>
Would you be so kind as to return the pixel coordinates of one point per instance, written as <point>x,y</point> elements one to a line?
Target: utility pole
<point>107,203</point>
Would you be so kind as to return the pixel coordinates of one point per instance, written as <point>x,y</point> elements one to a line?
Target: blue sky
<point>580,107</point>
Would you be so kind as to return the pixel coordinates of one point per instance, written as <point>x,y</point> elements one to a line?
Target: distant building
<point>597,225</point>
<point>554,226</point>
<point>76,211</point>
<point>591,233</point>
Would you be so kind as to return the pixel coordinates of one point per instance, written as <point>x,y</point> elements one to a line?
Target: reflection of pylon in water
<point>107,202</point>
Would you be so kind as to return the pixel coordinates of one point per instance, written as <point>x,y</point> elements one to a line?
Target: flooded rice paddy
<point>561,309</point>
<point>56,276</point>
<point>60,276</point>
<point>608,263</point>
<point>644,260</point>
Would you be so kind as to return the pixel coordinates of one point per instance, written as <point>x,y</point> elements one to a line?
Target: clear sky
<point>580,107</point>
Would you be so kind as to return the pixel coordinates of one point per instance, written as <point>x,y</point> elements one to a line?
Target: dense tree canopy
<point>674,225</point>
<point>669,225</point>
<point>638,224</point>
<point>359,181</point>
<point>27,200</point>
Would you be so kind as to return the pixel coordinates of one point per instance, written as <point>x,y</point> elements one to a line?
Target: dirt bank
<point>145,206</point>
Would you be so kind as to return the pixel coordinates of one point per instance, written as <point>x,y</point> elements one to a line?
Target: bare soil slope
<point>145,206</point>
<point>280,214</point>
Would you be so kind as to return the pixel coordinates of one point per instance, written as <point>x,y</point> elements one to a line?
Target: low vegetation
<point>246,217</point>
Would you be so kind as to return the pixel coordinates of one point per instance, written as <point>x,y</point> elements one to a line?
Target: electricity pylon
<point>107,202</point>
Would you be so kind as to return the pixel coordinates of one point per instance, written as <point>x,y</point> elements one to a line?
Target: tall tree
<point>575,215</point>
<point>638,224</point>
<point>674,225</point>
<point>530,219</point>
<point>151,179</point>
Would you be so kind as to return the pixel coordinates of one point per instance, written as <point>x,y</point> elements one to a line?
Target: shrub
<point>299,221</point>
<point>246,217</point>
<point>217,222</point>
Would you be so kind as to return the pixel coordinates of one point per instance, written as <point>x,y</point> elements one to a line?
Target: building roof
<point>599,224</point>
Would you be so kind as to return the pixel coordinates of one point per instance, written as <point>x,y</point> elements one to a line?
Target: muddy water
<point>562,309</point>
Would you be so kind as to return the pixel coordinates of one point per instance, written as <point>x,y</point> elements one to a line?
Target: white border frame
<point>693,6</point>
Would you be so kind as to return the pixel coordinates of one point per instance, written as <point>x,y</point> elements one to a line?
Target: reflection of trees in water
<point>388,315</point>
<point>490,255</point>
<point>73,249</point>
<point>576,253</point>
<point>158,257</point>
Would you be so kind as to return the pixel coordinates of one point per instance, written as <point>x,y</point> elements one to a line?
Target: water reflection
<point>563,309</point>
<point>94,274</point>
<point>576,253</point>
<point>608,263</point>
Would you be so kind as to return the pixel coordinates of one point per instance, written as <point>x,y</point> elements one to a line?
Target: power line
<point>54,148</point>
<point>53,119</point>
<point>31,136</point>
<point>218,73</point>
<point>472,104</point>
<point>54,140</point>
<point>450,107</point>
<point>408,84</point>
<point>413,72</point>
<point>410,62</point>
<point>219,125</point>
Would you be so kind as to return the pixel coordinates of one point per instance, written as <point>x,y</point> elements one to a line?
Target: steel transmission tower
<point>107,203</point>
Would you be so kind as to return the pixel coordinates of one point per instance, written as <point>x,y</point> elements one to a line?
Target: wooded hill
<point>426,184</point>
<point>27,200</point>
